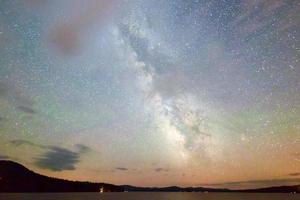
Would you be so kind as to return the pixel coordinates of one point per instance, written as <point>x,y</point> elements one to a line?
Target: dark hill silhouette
<point>17,178</point>
<point>279,189</point>
<point>130,188</point>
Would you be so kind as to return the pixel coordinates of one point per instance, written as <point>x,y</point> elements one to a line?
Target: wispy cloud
<point>17,97</point>
<point>294,174</point>
<point>160,169</point>
<point>19,142</point>
<point>81,148</point>
<point>26,109</point>
<point>121,168</point>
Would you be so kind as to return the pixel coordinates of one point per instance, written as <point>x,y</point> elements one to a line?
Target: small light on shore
<point>101,189</point>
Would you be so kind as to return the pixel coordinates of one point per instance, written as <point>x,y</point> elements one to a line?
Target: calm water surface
<point>152,196</point>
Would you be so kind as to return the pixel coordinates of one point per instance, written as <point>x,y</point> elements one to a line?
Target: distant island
<point>15,178</point>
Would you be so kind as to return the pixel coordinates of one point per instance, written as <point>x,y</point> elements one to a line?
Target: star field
<point>153,93</point>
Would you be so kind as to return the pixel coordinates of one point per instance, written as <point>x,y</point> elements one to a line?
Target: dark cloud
<point>159,169</point>
<point>55,158</point>
<point>26,109</point>
<point>121,168</point>
<point>58,159</point>
<point>82,148</point>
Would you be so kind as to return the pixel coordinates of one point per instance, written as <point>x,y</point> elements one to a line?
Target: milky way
<point>153,93</point>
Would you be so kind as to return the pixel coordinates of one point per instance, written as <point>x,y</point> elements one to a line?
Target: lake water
<point>152,196</point>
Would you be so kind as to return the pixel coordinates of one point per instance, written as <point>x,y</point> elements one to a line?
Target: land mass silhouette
<point>15,178</point>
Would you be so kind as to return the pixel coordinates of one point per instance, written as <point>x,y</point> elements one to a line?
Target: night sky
<point>152,93</point>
